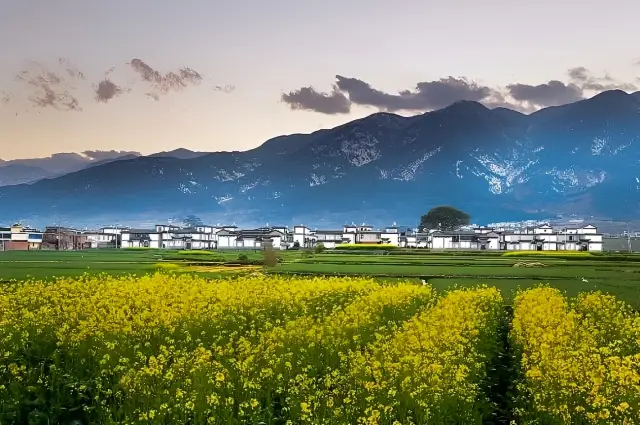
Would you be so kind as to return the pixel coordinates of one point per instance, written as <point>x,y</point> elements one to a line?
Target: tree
<point>444,218</point>
<point>270,259</point>
<point>319,248</point>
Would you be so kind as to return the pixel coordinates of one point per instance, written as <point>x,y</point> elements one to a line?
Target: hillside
<point>580,158</point>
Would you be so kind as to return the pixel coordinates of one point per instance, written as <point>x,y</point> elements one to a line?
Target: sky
<point>213,75</point>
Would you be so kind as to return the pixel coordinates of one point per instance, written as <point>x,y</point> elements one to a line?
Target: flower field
<point>179,349</point>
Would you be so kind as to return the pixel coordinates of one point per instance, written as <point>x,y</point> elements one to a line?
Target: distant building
<point>251,239</point>
<point>546,238</point>
<point>20,238</point>
<point>64,238</point>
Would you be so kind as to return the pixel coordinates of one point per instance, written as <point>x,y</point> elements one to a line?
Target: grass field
<point>613,274</point>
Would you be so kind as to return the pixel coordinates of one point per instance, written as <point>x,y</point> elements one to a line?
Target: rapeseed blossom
<point>260,349</point>
<point>580,360</point>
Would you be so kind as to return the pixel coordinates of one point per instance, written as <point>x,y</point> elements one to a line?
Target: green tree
<point>444,218</point>
<point>319,248</point>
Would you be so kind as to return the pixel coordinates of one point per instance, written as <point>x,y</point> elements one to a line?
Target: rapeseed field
<point>256,349</point>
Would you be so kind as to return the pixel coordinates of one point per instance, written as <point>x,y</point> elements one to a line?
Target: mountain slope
<point>20,173</point>
<point>179,153</point>
<point>499,165</point>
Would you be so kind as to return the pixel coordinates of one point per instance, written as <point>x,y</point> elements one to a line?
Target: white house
<point>250,239</point>
<point>465,240</point>
<point>100,240</point>
<point>141,238</point>
<point>546,238</point>
<point>302,236</point>
<point>329,238</point>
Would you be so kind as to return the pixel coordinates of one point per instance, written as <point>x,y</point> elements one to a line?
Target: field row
<point>183,350</point>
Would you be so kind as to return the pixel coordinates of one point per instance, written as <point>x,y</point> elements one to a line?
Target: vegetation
<point>559,254</point>
<point>265,349</point>
<point>444,218</point>
<point>270,259</point>
<point>580,358</point>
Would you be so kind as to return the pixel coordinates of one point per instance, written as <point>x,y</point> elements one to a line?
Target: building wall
<point>394,238</point>
<point>368,237</point>
<point>493,243</point>
<point>16,245</point>
<point>226,241</point>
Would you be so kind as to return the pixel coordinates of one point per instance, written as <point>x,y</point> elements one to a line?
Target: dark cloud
<point>48,89</point>
<point>307,98</point>
<point>431,95</point>
<point>106,91</point>
<point>165,83</point>
<point>102,155</point>
<point>426,96</point>
<point>583,78</point>
<point>552,93</point>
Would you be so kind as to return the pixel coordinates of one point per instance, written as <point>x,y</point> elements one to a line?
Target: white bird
<point>424,282</point>
<point>584,280</point>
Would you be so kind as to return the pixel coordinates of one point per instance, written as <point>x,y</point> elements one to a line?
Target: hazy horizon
<point>217,76</point>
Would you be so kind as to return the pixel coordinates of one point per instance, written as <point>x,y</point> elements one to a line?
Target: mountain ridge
<point>497,164</point>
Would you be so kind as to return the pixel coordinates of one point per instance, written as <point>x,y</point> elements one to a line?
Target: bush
<point>167,266</point>
<point>243,257</point>
<point>319,248</point>
<point>270,258</point>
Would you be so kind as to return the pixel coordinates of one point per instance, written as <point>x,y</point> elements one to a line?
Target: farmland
<point>616,274</point>
<point>277,349</point>
<point>378,337</point>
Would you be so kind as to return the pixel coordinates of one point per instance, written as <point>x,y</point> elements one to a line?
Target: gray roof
<point>148,231</point>
<point>329,232</point>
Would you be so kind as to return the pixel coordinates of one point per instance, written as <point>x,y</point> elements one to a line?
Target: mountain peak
<point>180,153</point>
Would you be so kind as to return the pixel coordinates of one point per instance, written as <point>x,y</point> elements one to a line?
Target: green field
<point>617,274</point>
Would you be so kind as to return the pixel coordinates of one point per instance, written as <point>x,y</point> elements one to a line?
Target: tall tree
<point>444,218</point>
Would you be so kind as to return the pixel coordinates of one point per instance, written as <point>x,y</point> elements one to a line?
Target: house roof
<point>148,231</point>
<point>258,233</point>
<point>329,232</point>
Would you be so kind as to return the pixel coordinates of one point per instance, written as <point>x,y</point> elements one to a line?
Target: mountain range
<point>31,170</point>
<point>581,159</point>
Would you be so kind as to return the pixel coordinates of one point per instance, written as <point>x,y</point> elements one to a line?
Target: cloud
<point>426,95</point>
<point>163,84</point>
<point>583,78</point>
<point>552,93</point>
<point>307,98</point>
<point>437,94</point>
<point>102,155</point>
<point>5,97</point>
<point>107,90</point>
<point>229,88</point>
<point>71,70</point>
<point>48,89</point>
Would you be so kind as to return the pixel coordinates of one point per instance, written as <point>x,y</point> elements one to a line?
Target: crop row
<point>268,350</point>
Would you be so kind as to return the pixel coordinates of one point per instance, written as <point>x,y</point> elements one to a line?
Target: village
<point>204,237</point>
